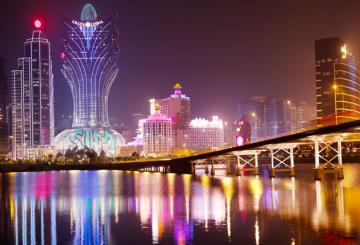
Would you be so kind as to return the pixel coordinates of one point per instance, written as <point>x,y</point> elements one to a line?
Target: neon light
<point>344,51</point>
<point>239,140</point>
<point>37,24</point>
<point>203,123</point>
<point>98,139</point>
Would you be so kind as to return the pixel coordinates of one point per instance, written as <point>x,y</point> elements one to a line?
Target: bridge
<point>325,141</point>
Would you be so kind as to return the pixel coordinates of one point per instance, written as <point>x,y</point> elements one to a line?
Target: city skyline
<point>182,54</point>
<point>179,122</point>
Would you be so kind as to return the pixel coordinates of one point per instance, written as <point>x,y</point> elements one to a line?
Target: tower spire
<point>88,13</point>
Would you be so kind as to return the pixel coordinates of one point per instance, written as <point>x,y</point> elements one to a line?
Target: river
<point>123,207</point>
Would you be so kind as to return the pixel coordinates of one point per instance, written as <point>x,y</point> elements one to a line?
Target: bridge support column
<point>238,166</point>
<point>323,145</point>
<point>257,171</point>
<point>247,161</point>
<point>212,172</point>
<point>272,169</point>
<point>340,174</point>
<point>228,167</point>
<point>317,173</point>
<point>206,168</point>
<point>292,162</point>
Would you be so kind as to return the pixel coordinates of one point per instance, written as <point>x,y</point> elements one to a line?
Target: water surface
<point>119,207</point>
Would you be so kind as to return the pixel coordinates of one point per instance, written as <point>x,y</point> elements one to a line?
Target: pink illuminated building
<point>176,107</point>
<point>158,134</point>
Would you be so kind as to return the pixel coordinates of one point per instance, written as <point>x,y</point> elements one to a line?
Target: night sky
<point>221,51</point>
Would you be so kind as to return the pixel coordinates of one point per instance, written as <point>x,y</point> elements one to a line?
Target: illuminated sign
<point>344,51</point>
<point>87,24</point>
<point>98,139</point>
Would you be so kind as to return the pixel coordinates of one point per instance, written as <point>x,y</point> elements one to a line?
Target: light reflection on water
<point>112,207</point>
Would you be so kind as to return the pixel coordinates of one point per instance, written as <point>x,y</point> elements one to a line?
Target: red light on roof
<point>37,24</point>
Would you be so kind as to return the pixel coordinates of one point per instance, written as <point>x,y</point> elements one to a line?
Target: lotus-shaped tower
<point>90,67</point>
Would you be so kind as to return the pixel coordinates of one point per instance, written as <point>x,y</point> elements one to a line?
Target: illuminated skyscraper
<point>302,115</point>
<point>337,82</point>
<point>32,96</point>
<point>177,107</point>
<point>90,67</point>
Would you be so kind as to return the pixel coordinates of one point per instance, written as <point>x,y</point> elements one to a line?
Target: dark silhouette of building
<point>337,82</point>
<point>4,137</point>
<point>267,116</point>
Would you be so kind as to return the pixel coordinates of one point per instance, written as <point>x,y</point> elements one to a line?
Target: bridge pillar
<point>325,144</point>
<point>238,166</point>
<point>206,168</point>
<point>247,161</point>
<point>292,162</point>
<point>257,172</point>
<point>272,169</point>
<point>284,162</point>
<point>228,167</point>
<point>340,174</point>
<point>212,172</point>
<point>317,174</point>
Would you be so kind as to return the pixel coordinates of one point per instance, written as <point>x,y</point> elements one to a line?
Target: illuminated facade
<point>32,97</point>
<point>90,68</point>
<point>337,82</point>
<point>176,107</point>
<point>205,135</point>
<point>157,133</point>
<point>302,115</point>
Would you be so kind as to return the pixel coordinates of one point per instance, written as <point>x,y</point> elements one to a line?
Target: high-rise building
<point>205,135</point>
<point>158,136</point>
<point>90,67</point>
<point>32,97</point>
<point>337,82</point>
<point>267,116</point>
<point>4,137</point>
<point>303,115</point>
<point>177,107</point>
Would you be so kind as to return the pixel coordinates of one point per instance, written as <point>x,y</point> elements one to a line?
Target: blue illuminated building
<point>90,67</point>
